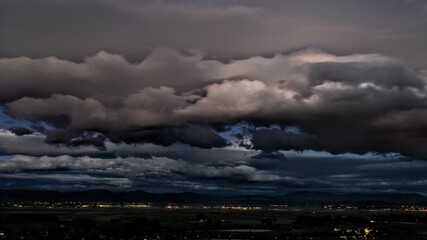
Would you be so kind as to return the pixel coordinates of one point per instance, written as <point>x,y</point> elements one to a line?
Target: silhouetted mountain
<point>291,199</point>
<point>361,199</point>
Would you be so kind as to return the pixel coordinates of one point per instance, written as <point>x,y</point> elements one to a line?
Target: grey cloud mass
<point>213,95</point>
<point>340,103</point>
<point>224,29</point>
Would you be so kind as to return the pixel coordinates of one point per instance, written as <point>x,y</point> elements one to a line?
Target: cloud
<point>34,144</point>
<point>204,94</point>
<point>266,155</point>
<point>71,178</point>
<point>224,29</point>
<point>255,176</point>
<point>136,167</point>
<point>20,131</point>
<point>270,140</point>
<point>340,103</point>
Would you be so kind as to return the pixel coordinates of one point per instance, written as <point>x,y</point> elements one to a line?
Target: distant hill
<point>361,199</point>
<point>100,195</point>
<point>291,199</point>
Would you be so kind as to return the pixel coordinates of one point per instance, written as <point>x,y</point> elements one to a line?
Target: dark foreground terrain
<point>185,222</point>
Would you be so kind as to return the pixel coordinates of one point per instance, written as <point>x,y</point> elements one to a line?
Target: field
<point>303,223</point>
<point>165,216</point>
<point>184,216</point>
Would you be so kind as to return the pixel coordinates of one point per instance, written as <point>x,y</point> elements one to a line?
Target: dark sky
<point>221,96</point>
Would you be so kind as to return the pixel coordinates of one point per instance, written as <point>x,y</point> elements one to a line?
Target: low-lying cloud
<point>137,167</point>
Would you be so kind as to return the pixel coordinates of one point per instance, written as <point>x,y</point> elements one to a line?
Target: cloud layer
<point>353,103</point>
<point>344,173</point>
<point>225,95</point>
<point>222,28</point>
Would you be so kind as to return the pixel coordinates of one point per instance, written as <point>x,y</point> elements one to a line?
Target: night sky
<point>214,96</point>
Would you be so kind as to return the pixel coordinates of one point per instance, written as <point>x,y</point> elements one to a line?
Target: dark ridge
<point>291,199</point>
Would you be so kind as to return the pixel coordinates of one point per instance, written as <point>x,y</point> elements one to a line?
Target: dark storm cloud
<point>20,131</point>
<point>193,135</point>
<point>353,103</point>
<point>36,145</point>
<point>269,155</point>
<point>271,140</point>
<point>225,29</point>
<point>76,140</point>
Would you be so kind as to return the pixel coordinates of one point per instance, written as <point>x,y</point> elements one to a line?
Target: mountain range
<point>291,199</point>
